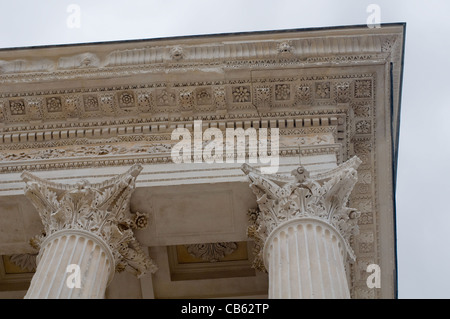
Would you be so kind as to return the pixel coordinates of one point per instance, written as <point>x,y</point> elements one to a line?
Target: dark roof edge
<point>184,37</point>
<point>395,151</point>
<point>397,132</point>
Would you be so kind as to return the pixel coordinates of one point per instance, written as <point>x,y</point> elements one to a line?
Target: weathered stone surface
<point>88,112</point>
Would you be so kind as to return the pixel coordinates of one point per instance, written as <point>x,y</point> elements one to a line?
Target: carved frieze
<point>165,97</point>
<point>323,90</point>
<point>263,96</point>
<point>186,100</point>
<point>2,112</point>
<point>90,103</point>
<point>303,95</point>
<point>282,92</point>
<point>241,94</point>
<point>251,97</point>
<point>220,98</point>
<point>145,101</point>
<point>17,107</point>
<point>82,151</point>
<point>126,99</point>
<point>363,88</point>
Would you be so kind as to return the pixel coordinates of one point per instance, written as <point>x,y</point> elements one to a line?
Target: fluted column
<point>87,236</point>
<point>305,259</point>
<point>302,229</point>
<point>93,263</point>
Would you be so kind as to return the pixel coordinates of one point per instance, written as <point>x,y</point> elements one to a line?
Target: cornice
<point>275,50</point>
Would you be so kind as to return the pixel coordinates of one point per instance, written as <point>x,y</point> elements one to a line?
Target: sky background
<point>423,219</point>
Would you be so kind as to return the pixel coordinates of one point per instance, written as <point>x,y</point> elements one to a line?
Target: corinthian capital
<point>282,198</point>
<point>102,209</point>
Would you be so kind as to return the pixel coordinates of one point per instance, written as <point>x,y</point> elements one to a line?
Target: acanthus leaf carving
<point>103,209</point>
<point>25,261</point>
<point>281,198</point>
<point>81,151</point>
<point>212,252</point>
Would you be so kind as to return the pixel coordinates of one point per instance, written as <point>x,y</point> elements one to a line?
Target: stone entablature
<point>216,100</point>
<point>239,84</point>
<point>82,110</point>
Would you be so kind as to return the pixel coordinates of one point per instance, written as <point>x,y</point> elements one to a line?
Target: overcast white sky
<point>423,219</point>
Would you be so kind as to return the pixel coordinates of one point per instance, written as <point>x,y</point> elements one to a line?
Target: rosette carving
<point>212,252</point>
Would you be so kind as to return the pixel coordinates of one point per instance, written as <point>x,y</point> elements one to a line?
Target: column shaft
<point>88,227</point>
<point>72,247</point>
<point>305,259</point>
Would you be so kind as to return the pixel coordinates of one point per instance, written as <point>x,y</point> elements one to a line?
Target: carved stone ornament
<point>212,252</point>
<point>84,60</point>
<point>282,198</point>
<point>103,209</point>
<point>24,261</point>
<point>177,53</point>
<point>285,49</point>
<point>89,150</point>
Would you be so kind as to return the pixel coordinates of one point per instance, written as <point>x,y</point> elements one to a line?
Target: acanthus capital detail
<point>321,199</point>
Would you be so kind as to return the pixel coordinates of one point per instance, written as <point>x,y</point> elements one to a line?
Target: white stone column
<point>88,228</point>
<point>302,229</point>
<point>72,247</point>
<point>305,258</point>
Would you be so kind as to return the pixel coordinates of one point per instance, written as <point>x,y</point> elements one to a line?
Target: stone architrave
<point>88,235</point>
<point>302,229</point>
